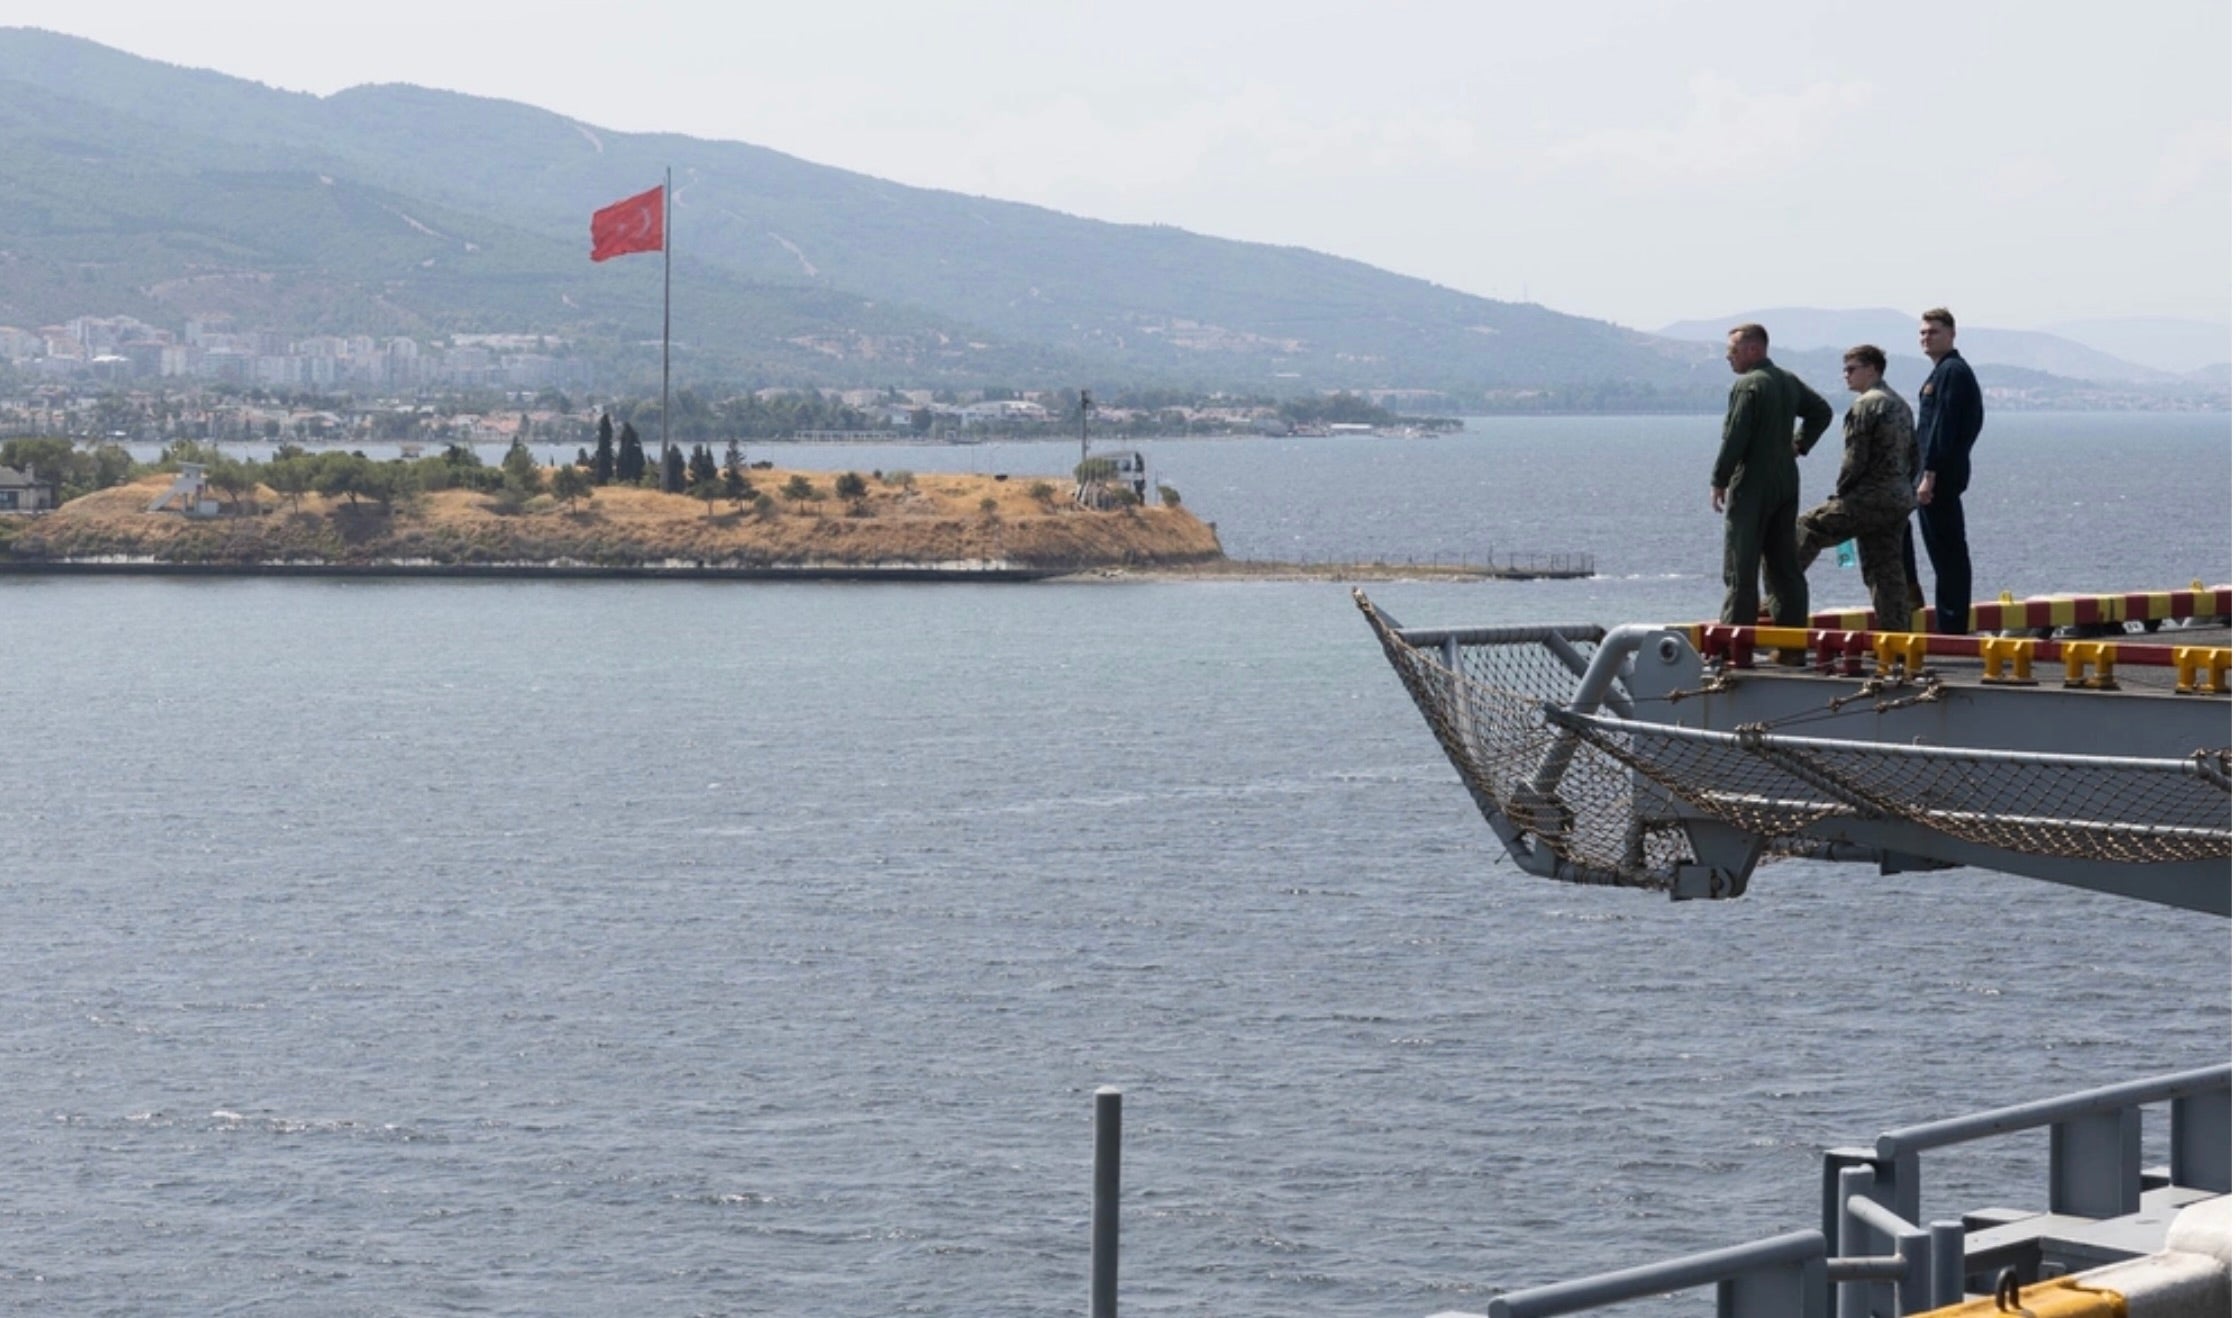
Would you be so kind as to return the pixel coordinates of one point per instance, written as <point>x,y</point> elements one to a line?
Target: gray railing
<point>1926,1268</point>
<point>1782,1277</point>
<point>2096,1161</point>
<point>1871,1209</point>
<point>1449,562</point>
<point>1566,565</point>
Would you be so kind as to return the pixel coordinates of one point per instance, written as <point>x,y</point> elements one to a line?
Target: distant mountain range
<point>2193,348</point>
<point>2187,345</point>
<point>132,187</point>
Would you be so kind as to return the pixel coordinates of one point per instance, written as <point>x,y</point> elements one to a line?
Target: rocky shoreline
<point>126,566</point>
<point>932,528</point>
<point>928,529</point>
<point>990,572</point>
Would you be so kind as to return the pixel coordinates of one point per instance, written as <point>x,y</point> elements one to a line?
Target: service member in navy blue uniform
<point>1949,417</point>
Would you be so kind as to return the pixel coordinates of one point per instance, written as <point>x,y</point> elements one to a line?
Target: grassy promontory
<point>927,521</point>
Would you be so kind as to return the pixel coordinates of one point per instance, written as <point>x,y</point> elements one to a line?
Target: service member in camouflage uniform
<point>1872,499</point>
<point>1756,468</point>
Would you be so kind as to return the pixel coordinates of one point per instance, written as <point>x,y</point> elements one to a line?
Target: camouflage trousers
<point>1878,530</point>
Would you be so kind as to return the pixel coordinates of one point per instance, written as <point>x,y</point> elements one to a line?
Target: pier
<point>1457,567</point>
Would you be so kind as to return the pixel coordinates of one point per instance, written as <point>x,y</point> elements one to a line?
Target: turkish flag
<point>632,225</point>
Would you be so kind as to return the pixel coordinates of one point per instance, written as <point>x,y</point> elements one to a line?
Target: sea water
<point>595,948</point>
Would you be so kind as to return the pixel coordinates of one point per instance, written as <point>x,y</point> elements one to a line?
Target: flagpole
<point>667,270</point>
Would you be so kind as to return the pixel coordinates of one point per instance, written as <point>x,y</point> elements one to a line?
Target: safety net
<point>1604,792</point>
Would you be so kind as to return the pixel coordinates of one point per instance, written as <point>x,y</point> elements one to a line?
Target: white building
<point>24,492</point>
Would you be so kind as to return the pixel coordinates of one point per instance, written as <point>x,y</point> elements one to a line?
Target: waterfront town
<point>118,379</point>
<point>117,350</point>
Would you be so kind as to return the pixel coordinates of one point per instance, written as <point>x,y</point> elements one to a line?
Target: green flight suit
<point>1756,469</point>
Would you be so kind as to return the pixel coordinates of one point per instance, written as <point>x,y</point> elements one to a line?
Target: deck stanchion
<point>1852,1239</point>
<point>1913,1293</point>
<point>1947,1252</point>
<point>1104,1300</point>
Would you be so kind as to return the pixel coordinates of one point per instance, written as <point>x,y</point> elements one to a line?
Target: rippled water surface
<point>580,948</point>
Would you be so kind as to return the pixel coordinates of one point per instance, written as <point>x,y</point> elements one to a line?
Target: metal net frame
<point>1608,810</point>
<point>1485,701</point>
<point>2074,807</point>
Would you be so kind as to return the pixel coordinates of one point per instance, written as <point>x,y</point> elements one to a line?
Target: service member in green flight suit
<point>1757,485</point>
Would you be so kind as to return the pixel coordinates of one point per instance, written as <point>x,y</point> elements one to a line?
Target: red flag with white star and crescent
<point>635,224</point>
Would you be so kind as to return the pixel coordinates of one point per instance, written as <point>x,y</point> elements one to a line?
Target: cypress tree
<point>671,470</point>
<point>601,462</point>
<point>629,467</point>
<point>734,485</point>
<point>522,476</point>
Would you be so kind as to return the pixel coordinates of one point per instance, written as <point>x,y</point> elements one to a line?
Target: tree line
<point>357,480</point>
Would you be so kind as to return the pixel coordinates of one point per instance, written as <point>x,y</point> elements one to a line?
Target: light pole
<point>1086,405</point>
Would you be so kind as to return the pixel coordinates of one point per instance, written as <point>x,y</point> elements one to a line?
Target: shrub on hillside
<point>569,484</point>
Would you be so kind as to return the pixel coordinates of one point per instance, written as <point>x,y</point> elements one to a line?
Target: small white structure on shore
<point>188,489</point>
<point>24,492</point>
<point>1101,473</point>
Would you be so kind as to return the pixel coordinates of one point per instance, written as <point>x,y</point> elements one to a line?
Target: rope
<point>1498,708</point>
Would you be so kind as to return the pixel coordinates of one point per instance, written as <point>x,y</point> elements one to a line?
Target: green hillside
<point>144,188</point>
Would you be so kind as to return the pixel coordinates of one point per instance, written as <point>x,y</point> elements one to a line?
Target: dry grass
<point>939,518</point>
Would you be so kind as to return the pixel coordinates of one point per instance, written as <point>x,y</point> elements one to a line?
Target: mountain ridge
<point>145,188</point>
<point>1044,293</point>
<point>1896,331</point>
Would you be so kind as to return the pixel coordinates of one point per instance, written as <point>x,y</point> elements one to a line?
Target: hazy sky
<point>2024,163</point>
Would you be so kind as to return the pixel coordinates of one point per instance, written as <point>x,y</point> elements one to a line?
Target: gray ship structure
<point>2077,739</point>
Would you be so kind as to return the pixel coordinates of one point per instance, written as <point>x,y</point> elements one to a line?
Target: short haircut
<point>1869,355</point>
<point>1941,316</point>
<point>1752,333</point>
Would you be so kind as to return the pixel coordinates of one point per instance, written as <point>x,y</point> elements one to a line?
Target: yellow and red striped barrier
<point>1843,642</point>
<point>2198,669</point>
<point>2047,611</point>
